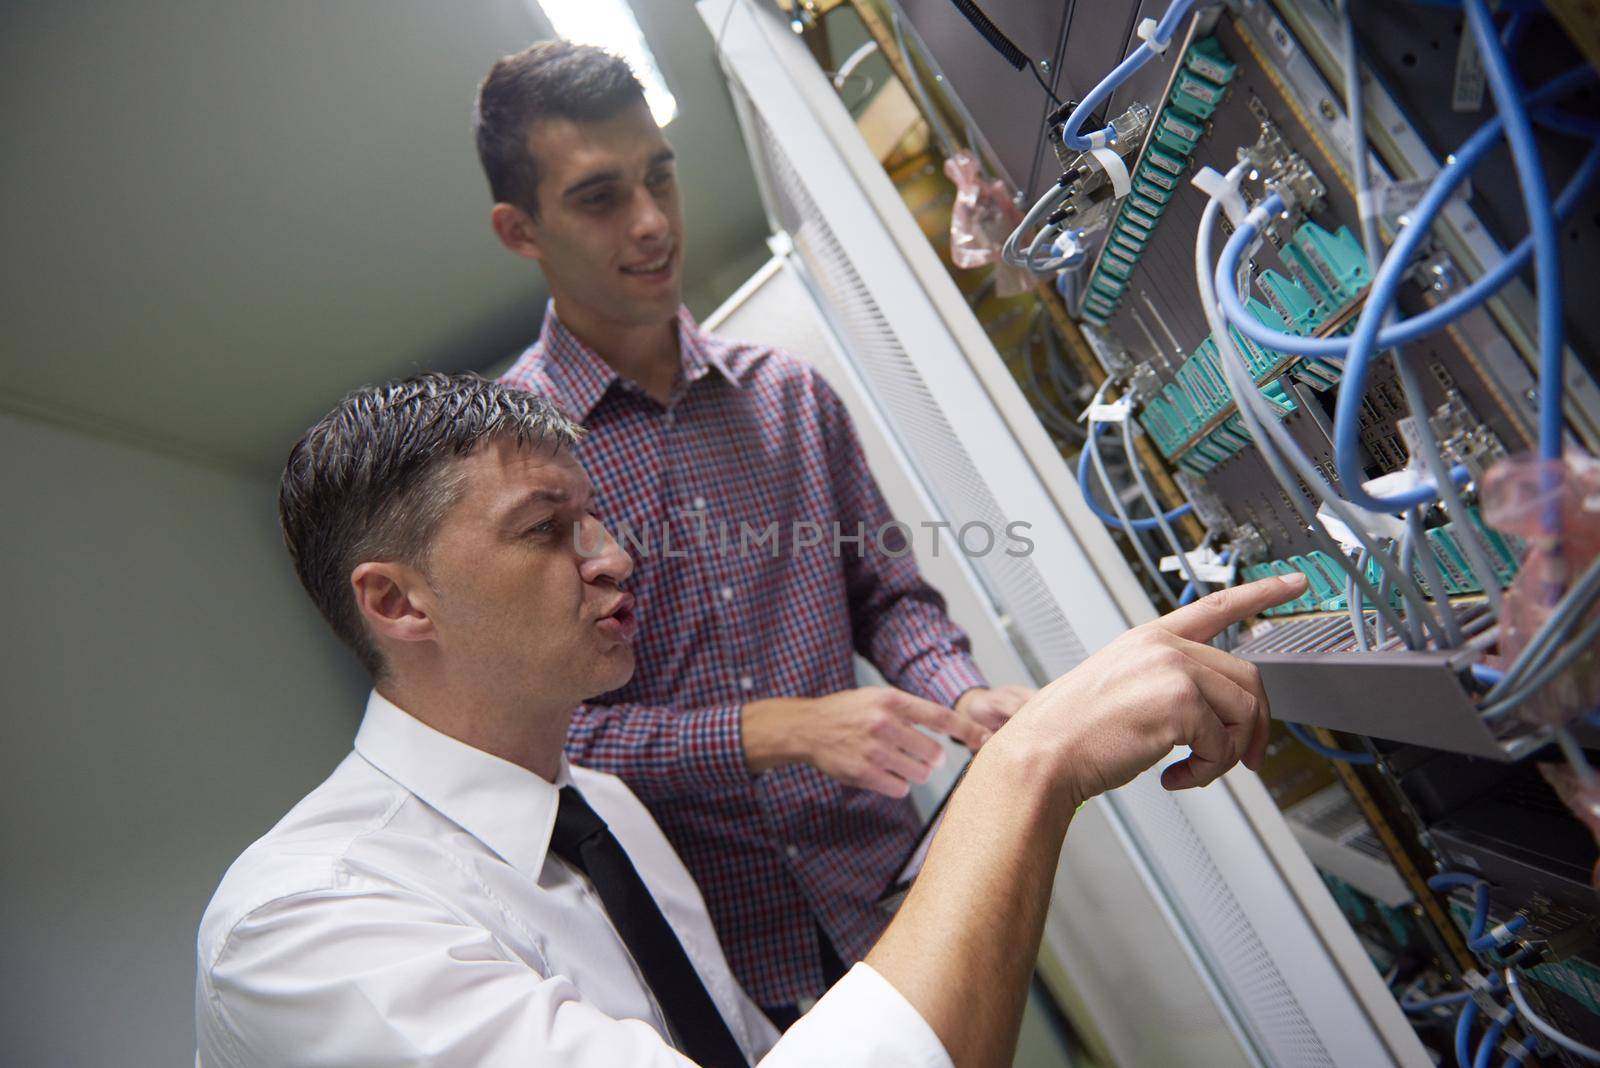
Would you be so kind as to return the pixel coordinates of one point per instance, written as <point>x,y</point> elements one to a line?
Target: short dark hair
<point>548,80</point>
<point>370,480</point>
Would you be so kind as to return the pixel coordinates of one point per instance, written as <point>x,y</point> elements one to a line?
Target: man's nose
<point>601,557</point>
<point>649,221</point>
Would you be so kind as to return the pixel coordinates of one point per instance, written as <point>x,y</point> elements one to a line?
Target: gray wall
<point>167,692</point>
<point>218,218</point>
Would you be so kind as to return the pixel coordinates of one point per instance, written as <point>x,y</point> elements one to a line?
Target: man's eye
<point>599,200</point>
<point>540,529</point>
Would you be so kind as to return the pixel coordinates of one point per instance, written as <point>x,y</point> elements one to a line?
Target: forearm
<point>961,949</point>
<point>662,753</point>
<point>771,733</point>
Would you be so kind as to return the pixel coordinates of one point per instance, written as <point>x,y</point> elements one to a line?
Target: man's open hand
<point>990,709</point>
<point>866,738</point>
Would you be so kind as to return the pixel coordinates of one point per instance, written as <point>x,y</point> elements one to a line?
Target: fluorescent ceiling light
<point>610,24</point>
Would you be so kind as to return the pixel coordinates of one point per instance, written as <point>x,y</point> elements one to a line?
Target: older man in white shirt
<point>456,894</point>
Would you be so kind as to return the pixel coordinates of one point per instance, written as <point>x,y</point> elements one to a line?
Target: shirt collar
<point>579,377</point>
<point>507,808</point>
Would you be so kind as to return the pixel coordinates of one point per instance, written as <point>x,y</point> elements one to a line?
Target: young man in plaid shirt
<point>765,551</point>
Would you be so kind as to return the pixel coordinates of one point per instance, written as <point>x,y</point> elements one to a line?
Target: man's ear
<point>394,601</point>
<point>516,230</point>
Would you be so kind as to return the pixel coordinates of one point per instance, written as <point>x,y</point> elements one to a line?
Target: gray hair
<point>371,479</point>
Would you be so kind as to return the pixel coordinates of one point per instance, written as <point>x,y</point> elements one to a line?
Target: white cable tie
<point>1115,412</point>
<point>1482,993</point>
<point>1499,935</point>
<point>1217,187</point>
<point>1374,524</point>
<point>1206,564</point>
<point>1147,33</point>
<point>1098,139</point>
<point>1512,1047</point>
<point>1366,204</point>
<point>1115,170</point>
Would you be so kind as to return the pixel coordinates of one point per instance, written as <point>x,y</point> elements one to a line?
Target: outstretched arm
<point>962,946</point>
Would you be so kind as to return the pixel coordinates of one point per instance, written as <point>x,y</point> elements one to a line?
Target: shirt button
<point>666,419</point>
<point>727,593</point>
<point>746,683</point>
<point>699,504</point>
<point>793,852</point>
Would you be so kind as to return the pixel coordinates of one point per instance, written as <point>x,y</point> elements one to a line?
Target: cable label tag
<point>1115,169</point>
<point>1115,412</point>
<point>1373,525</point>
<point>1393,201</point>
<point>1467,92</point>
<point>1206,563</point>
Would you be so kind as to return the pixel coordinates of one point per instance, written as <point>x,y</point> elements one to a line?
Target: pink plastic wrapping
<point>981,221</point>
<point>1521,496</point>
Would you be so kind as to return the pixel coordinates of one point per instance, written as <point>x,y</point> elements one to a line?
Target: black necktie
<point>582,839</point>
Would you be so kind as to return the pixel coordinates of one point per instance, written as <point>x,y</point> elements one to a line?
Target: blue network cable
<point>1495,939</point>
<point>1541,220</point>
<point>1106,517</point>
<point>1484,675</point>
<point>1464,1019</point>
<point>1369,337</point>
<point>1449,177</point>
<point>1360,347</point>
<point>1070,130</point>
<point>1491,1038</point>
<point>1453,880</point>
<point>1344,756</point>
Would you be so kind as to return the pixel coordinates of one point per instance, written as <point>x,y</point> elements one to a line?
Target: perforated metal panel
<point>1253,982</point>
<point>1268,968</point>
<point>917,419</point>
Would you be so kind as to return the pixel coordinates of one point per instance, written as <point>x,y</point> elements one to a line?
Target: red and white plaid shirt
<point>751,436</point>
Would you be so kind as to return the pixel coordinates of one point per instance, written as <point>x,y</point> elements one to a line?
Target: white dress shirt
<point>408,912</point>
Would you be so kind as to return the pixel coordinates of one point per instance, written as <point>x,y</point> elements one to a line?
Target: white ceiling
<point>218,217</point>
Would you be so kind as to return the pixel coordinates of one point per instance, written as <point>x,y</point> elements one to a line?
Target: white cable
<point>1538,1023</point>
<point>1111,494</point>
<point>1264,427</point>
<point>1200,588</point>
<point>1410,384</point>
<point>1047,203</point>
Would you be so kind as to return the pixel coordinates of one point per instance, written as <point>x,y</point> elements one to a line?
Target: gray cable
<point>1042,207</point>
<point>941,133</point>
<point>1358,613</point>
<point>1568,612</point>
<point>1093,445</point>
<point>1053,364</point>
<point>1052,417</point>
<point>1308,472</point>
<point>1418,540</point>
<point>1547,671</point>
<point>1539,1024</point>
<point>1410,384</point>
<point>1264,428</point>
<point>1128,448</point>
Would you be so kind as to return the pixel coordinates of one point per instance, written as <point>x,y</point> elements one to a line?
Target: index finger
<point>1216,612</point>
<point>942,719</point>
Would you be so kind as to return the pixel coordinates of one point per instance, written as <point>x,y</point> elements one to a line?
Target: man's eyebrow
<point>666,155</point>
<point>592,180</point>
<point>536,497</point>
